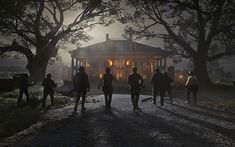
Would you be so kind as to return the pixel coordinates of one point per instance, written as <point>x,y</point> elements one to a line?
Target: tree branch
<point>18,48</point>
<point>215,23</point>
<point>217,56</point>
<point>37,20</point>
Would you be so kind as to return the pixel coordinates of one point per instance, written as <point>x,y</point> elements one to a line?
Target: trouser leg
<point>154,96</point>
<point>162,95</point>
<point>20,97</point>
<point>109,99</point>
<point>188,96</point>
<point>44,99</point>
<point>133,100</point>
<point>83,99</point>
<point>170,94</point>
<point>106,98</point>
<point>52,99</point>
<point>77,101</point>
<point>137,99</point>
<point>27,95</point>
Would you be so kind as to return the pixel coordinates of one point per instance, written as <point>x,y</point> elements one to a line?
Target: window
<point>119,63</point>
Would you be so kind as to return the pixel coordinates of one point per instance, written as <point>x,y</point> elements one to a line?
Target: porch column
<point>161,63</point>
<point>76,65</point>
<point>72,67</point>
<point>165,64</point>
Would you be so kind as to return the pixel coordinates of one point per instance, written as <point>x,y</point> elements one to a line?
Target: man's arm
<point>114,79</point>
<point>187,82</point>
<point>88,83</point>
<point>129,80</point>
<point>153,79</point>
<point>54,85</point>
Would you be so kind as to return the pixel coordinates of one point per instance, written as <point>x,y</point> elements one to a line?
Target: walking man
<point>136,83</point>
<point>191,86</point>
<point>49,86</point>
<point>168,80</point>
<point>107,87</point>
<point>23,87</point>
<point>158,86</point>
<point>82,86</point>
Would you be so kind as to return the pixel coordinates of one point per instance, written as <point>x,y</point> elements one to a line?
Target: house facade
<point>121,56</point>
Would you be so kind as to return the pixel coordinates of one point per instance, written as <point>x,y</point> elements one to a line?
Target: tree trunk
<point>200,69</point>
<point>37,69</point>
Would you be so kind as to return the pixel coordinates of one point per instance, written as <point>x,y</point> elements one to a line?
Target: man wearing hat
<point>191,86</point>
<point>49,86</point>
<point>136,83</point>
<point>82,86</point>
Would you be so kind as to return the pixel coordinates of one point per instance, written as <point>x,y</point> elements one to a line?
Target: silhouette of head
<point>157,70</point>
<point>48,76</point>
<point>26,76</point>
<point>108,70</point>
<point>82,69</point>
<point>190,73</point>
<point>135,69</point>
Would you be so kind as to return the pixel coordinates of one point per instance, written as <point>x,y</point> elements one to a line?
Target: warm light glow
<point>181,76</point>
<point>101,75</point>
<point>128,63</point>
<point>110,62</point>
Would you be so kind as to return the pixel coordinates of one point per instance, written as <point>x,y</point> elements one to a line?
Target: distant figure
<point>49,86</point>
<point>136,83</point>
<point>168,80</point>
<point>107,87</point>
<point>159,86</point>
<point>23,87</point>
<point>192,87</point>
<point>82,86</point>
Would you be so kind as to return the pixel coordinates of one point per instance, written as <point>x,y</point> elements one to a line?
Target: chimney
<point>107,37</point>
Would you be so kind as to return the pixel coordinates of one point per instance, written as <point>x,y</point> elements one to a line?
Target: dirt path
<point>169,126</point>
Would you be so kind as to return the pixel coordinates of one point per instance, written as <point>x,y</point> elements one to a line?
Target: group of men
<point>48,89</point>
<point>161,84</point>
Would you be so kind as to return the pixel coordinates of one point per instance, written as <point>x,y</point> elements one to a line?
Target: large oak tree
<point>39,25</point>
<point>202,30</point>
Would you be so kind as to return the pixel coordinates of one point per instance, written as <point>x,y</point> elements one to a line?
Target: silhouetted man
<point>136,83</point>
<point>23,87</point>
<point>49,86</point>
<point>82,86</point>
<point>158,86</point>
<point>107,87</point>
<point>192,87</point>
<point>168,80</point>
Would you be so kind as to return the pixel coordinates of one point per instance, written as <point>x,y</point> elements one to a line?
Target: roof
<point>119,45</point>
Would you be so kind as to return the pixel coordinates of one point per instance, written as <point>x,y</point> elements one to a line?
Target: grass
<point>18,120</point>
<point>15,119</point>
<point>220,97</point>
